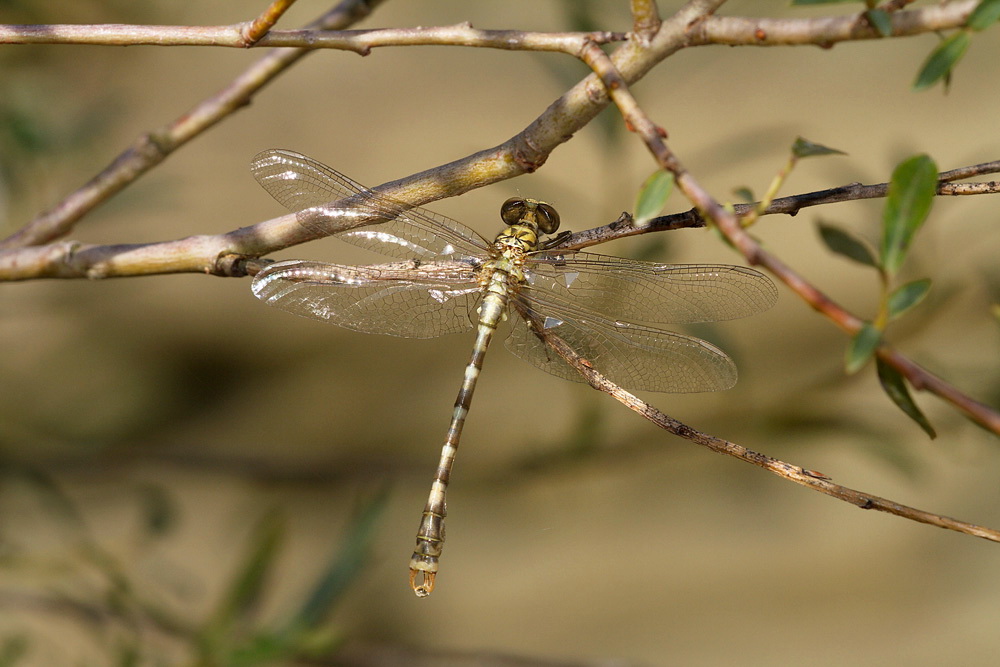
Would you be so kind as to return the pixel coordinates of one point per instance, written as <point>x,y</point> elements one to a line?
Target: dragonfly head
<point>530,212</point>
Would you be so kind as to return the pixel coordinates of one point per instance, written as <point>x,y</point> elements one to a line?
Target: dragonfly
<point>448,279</point>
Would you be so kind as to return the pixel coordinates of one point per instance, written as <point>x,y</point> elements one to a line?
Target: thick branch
<point>222,254</point>
<point>226,254</point>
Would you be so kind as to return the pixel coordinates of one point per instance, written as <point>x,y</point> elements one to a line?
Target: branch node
<point>248,35</point>
<point>229,265</point>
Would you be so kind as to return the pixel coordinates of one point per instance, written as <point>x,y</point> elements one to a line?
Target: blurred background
<point>186,472</point>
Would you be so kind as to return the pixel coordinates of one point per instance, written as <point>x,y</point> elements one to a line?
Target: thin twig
<point>808,478</point>
<point>646,19</point>
<point>153,147</point>
<point>522,153</point>
<point>359,41</point>
<point>790,205</point>
<point>260,26</point>
<point>827,31</point>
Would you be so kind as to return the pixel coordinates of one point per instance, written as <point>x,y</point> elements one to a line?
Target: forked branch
<point>525,152</point>
<point>729,224</point>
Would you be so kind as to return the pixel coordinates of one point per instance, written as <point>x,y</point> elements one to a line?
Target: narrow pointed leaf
<point>12,649</point>
<point>805,148</point>
<point>847,245</point>
<point>653,196</point>
<point>248,584</point>
<point>880,20</point>
<point>907,296</point>
<point>894,386</point>
<point>343,567</point>
<point>984,15</point>
<point>158,509</point>
<point>862,348</point>
<point>911,193</point>
<point>942,60</point>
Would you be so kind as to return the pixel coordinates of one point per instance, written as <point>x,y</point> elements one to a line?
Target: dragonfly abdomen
<point>430,535</point>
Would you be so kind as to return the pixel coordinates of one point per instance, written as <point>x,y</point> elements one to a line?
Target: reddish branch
<point>729,224</point>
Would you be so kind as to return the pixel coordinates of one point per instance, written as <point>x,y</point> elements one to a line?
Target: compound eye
<point>548,218</point>
<point>512,210</point>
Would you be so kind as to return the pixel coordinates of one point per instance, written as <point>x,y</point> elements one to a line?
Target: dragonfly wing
<point>647,292</point>
<point>632,356</point>
<point>406,299</point>
<point>327,202</point>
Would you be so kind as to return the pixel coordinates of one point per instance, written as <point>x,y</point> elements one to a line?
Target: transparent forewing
<point>632,356</point>
<point>405,299</point>
<point>646,292</point>
<point>327,202</point>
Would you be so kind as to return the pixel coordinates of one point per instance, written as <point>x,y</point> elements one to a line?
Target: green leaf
<point>343,567</point>
<point>805,148</point>
<point>159,513</point>
<point>12,649</point>
<point>246,587</point>
<point>127,654</point>
<point>745,195</point>
<point>911,193</point>
<point>54,499</point>
<point>942,59</point>
<point>862,348</point>
<point>907,296</point>
<point>984,15</point>
<point>653,196</point>
<point>258,650</point>
<point>847,245</point>
<point>894,386</point>
<point>880,20</point>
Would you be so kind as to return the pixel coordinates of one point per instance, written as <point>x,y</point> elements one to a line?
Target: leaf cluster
<point>911,195</point>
